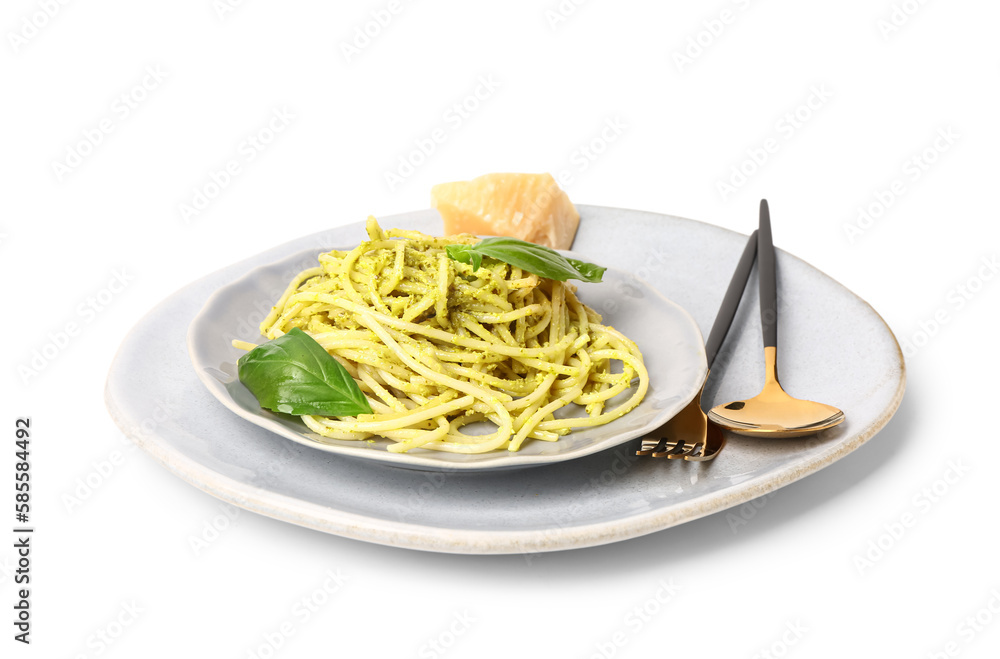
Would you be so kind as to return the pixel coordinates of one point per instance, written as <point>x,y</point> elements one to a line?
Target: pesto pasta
<point>436,344</point>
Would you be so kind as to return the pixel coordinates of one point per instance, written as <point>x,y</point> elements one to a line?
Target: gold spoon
<point>772,412</point>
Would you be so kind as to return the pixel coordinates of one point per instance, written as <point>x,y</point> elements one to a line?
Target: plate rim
<point>472,541</point>
<point>432,462</point>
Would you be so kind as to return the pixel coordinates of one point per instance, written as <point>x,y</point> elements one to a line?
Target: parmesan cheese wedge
<point>531,207</point>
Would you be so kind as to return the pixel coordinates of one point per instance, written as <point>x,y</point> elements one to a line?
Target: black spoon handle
<point>768,285</point>
<point>731,301</point>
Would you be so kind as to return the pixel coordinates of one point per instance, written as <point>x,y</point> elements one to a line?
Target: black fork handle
<point>768,280</point>
<point>731,300</point>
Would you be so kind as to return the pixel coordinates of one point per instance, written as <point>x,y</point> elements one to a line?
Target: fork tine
<point>686,452</point>
<point>679,449</point>
<point>695,451</point>
<point>709,452</point>
<point>675,450</point>
<point>683,452</point>
<point>650,446</point>
<point>672,448</point>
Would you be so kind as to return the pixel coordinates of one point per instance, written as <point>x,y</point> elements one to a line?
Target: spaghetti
<point>435,345</point>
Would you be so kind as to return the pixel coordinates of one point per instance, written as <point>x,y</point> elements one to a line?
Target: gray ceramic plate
<point>673,352</point>
<point>834,348</point>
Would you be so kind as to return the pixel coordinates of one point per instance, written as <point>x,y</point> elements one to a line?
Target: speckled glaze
<point>833,348</point>
<point>673,352</point>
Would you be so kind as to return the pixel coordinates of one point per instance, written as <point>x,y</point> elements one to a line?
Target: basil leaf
<point>465,254</point>
<point>536,259</point>
<point>294,374</point>
<point>590,272</point>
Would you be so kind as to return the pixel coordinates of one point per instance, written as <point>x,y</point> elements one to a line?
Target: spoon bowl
<point>773,413</point>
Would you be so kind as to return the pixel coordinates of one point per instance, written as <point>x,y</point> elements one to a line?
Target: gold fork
<point>691,435</point>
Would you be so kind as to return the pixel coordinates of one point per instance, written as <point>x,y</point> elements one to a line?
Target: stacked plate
<point>666,281</point>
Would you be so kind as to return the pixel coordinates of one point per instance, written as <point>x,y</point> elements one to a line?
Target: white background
<point>887,92</point>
